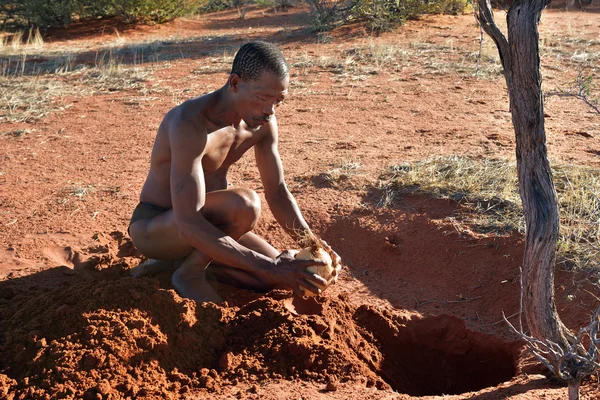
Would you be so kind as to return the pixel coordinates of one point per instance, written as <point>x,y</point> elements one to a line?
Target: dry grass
<point>488,189</point>
<point>29,91</point>
<point>26,99</point>
<point>78,190</point>
<point>14,42</point>
<point>110,74</point>
<point>215,65</point>
<point>341,171</point>
<point>358,62</point>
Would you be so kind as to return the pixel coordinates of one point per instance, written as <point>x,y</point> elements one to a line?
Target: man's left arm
<point>280,199</point>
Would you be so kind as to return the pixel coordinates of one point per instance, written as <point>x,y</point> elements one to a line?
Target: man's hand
<point>336,260</point>
<point>291,274</point>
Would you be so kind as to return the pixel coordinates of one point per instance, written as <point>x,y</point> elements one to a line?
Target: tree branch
<point>485,17</point>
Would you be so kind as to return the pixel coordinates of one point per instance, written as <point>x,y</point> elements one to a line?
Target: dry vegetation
<point>489,191</point>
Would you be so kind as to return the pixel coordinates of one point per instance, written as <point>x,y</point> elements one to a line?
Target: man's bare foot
<point>193,285</point>
<point>151,267</point>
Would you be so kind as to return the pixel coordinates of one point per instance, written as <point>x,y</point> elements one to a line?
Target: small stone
<point>104,387</point>
<point>226,361</point>
<point>331,386</point>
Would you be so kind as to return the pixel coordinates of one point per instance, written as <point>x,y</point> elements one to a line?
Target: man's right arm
<point>188,194</point>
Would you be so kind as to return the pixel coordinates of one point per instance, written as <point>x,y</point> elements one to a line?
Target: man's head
<point>259,78</point>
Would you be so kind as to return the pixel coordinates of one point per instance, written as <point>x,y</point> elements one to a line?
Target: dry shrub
<point>378,15</point>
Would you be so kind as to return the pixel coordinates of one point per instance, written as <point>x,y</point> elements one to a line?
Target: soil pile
<point>124,338</point>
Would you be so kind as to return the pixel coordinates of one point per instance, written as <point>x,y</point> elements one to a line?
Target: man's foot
<point>151,267</point>
<point>193,285</point>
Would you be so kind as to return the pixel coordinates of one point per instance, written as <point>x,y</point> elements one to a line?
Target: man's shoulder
<point>186,118</point>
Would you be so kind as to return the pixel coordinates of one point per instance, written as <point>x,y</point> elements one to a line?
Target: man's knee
<point>247,205</point>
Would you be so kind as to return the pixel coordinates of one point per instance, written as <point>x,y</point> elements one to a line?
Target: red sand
<point>418,308</point>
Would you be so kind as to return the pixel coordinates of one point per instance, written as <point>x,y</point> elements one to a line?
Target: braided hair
<point>255,57</point>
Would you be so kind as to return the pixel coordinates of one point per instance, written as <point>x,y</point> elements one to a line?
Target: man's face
<point>257,99</point>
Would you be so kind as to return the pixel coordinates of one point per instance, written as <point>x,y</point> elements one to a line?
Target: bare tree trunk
<point>574,390</point>
<point>521,62</point>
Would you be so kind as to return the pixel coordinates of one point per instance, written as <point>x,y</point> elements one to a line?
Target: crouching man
<point>188,213</point>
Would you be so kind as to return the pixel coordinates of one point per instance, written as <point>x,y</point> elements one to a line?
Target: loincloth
<point>145,210</point>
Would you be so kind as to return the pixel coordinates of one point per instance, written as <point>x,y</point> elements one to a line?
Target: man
<point>186,209</point>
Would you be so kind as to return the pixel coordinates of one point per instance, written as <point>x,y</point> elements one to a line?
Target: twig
<point>485,17</point>
<point>461,301</point>
<point>422,303</point>
<point>583,91</point>
<point>570,364</point>
<point>480,36</point>
<point>510,316</point>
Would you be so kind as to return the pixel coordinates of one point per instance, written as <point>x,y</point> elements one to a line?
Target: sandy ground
<point>418,308</point>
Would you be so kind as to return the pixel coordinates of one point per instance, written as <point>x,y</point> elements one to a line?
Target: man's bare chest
<point>226,146</point>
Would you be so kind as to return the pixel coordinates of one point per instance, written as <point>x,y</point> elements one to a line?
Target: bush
<point>58,13</point>
<point>215,5</point>
<point>327,14</point>
<point>378,15</point>
<point>39,13</point>
<point>152,10</point>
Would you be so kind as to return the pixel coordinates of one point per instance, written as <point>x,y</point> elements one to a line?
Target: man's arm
<point>188,195</point>
<point>280,200</point>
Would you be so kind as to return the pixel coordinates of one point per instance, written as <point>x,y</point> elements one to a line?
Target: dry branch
<point>572,363</point>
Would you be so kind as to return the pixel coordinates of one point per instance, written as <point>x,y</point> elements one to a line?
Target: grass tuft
<point>26,99</point>
<point>341,172</point>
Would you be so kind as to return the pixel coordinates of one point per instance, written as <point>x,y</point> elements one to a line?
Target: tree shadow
<point>88,28</point>
<point>138,54</point>
<point>260,18</point>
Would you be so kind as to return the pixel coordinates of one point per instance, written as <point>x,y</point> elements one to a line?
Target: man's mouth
<point>263,120</point>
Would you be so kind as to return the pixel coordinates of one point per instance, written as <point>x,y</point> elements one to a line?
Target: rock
<point>331,386</point>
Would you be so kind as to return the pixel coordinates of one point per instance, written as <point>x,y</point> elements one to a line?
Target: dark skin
<point>209,224</point>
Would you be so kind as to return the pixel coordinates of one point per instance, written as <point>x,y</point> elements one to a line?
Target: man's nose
<point>269,109</point>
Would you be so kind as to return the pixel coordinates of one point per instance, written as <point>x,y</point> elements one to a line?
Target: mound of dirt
<point>126,338</point>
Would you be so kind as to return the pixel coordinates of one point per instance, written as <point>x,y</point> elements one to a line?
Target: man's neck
<point>221,113</point>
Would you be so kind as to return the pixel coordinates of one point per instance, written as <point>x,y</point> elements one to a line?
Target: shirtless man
<point>186,209</point>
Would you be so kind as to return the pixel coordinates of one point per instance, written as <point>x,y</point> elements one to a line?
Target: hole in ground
<point>437,355</point>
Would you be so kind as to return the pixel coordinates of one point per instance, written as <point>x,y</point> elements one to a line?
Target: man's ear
<point>234,82</point>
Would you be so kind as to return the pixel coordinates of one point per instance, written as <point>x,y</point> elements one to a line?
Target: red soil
<point>418,308</point>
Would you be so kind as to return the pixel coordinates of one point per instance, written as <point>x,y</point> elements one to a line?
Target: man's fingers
<point>310,263</point>
<point>316,280</point>
<point>288,254</point>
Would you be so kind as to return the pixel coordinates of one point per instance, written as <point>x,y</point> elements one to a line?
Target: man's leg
<point>238,278</point>
<point>234,211</point>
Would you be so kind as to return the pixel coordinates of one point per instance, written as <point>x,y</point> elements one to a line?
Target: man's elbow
<point>281,193</point>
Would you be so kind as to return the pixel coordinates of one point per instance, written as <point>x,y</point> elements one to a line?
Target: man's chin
<point>255,125</point>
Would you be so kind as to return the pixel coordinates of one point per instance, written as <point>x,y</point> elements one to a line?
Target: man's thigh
<point>159,238</point>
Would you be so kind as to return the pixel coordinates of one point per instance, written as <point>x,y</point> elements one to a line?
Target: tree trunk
<point>574,390</point>
<point>521,62</point>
